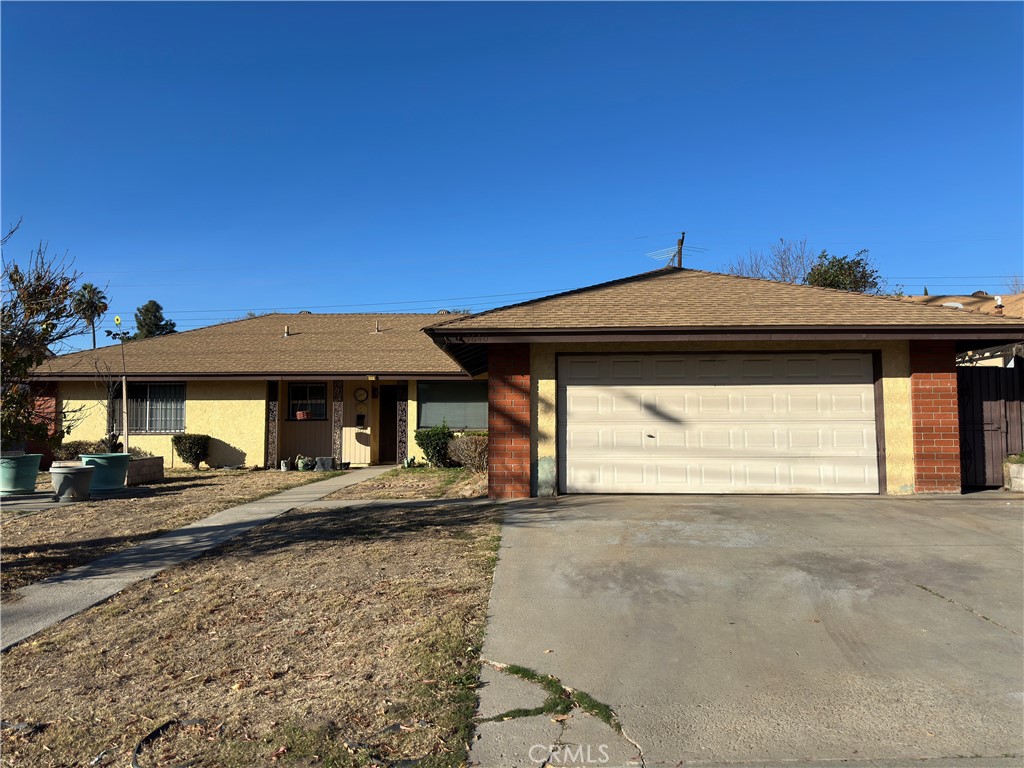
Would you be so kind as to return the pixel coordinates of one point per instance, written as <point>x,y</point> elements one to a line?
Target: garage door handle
<point>650,435</point>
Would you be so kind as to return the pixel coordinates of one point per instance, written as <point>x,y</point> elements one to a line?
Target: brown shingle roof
<point>687,298</point>
<point>317,345</point>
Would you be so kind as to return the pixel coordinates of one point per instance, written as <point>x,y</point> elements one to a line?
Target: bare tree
<point>1015,285</point>
<point>787,261</point>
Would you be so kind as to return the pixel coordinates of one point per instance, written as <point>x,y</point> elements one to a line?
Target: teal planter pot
<point>111,470</point>
<point>18,474</point>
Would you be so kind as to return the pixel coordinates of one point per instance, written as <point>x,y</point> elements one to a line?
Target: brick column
<point>508,421</point>
<point>936,417</point>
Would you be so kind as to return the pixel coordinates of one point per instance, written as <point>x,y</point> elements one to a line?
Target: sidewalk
<point>47,602</point>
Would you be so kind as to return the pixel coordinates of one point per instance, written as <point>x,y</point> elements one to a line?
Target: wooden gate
<point>990,421</point>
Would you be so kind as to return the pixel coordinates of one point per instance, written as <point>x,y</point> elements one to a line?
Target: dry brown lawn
<point>40,544</point>
<point>419,483</point>
<point>327,637</point>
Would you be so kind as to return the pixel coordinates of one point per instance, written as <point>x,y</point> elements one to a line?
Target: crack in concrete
<point>579,700</point>
<point>965,607</point>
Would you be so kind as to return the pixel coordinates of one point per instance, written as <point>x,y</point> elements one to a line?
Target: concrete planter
<point>142,471</point>
<point>1014,476</point>
<point>111,470</point>
<point>71,482</point>
<point>18,473</point>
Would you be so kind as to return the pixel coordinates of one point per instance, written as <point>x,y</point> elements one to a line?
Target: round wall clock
<point>361,395</point>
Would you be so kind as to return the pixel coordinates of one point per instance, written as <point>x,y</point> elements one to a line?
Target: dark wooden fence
<point>990,421</point>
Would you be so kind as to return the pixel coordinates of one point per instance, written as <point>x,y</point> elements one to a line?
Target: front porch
<point>359,421</point>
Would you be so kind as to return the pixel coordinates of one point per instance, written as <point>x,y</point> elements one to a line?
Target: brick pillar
<point>508,421</point>
<point>936,417</point>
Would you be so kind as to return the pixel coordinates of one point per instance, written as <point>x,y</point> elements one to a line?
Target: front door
<point>387,427</point>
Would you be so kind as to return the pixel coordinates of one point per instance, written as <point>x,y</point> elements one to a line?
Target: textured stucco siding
<point>414,450</point>
<point>233,413</point>
<point>899,444</point>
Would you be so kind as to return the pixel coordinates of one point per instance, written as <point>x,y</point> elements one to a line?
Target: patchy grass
<point>41,544</point>
<point>419,483</point>
<point>327,637</point>
<point>560,700</point>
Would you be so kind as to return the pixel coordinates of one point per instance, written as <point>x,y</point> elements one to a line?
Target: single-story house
<point>672,381</point>
<point>684,381</point>
<point>351,386</point>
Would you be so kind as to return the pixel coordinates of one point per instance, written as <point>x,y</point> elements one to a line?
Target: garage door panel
<point>680,403</point>
<point>723,476</point>
<point>717,424</point>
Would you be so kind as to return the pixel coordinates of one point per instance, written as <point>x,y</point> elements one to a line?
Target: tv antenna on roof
<point>675,255</point>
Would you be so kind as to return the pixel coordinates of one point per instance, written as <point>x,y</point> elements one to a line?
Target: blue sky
<point>361,157</point>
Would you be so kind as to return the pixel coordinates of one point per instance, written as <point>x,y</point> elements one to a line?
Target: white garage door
<point>721,423</point>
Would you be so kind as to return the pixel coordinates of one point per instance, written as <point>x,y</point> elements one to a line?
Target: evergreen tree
<point>845,273</point>
<point>149,320</point>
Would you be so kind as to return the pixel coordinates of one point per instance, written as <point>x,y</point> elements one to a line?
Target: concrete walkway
<point>47,602</point>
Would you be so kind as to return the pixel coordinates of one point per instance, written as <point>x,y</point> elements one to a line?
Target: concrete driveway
<point>796,630</point>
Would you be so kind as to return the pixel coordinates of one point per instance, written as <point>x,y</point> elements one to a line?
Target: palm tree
<point>91,304</point>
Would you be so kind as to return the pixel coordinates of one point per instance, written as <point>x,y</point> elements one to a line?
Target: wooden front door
<point>990,421</point>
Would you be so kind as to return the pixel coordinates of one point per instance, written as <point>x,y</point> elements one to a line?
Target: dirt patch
<point>419,483</point>
<point>41,544</point>
<point>336,637</point>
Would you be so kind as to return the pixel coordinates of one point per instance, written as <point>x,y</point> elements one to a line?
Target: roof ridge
<point>584,289</point>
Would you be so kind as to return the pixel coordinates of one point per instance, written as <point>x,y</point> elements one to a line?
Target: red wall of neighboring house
<point>46,408</point>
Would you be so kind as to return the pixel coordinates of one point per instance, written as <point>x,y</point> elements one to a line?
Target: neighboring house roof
<point>680,304</point>
<point>1013,305</point>
<point>317,345</point>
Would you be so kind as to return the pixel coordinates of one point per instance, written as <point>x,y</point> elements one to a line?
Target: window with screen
<point>310,398</point>
<point>461,404</point>
<point>156,407</point>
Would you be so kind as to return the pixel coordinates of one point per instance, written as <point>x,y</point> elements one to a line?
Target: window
<point>311,398</point>
<point>462,404</point>
<point>151,408</point>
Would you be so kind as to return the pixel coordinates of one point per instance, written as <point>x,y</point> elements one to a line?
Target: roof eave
<point>259,376</point>
<point>452,336</point>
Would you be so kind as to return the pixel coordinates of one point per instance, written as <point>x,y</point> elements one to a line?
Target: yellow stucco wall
<point>414,415</point>
<point>233,413</point>
<point>899,448</point>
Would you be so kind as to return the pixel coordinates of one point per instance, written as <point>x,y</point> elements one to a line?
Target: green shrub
<point>434,441</point>
<point>72,449</point>
<point>191,449</point>
<point>470,451</point>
